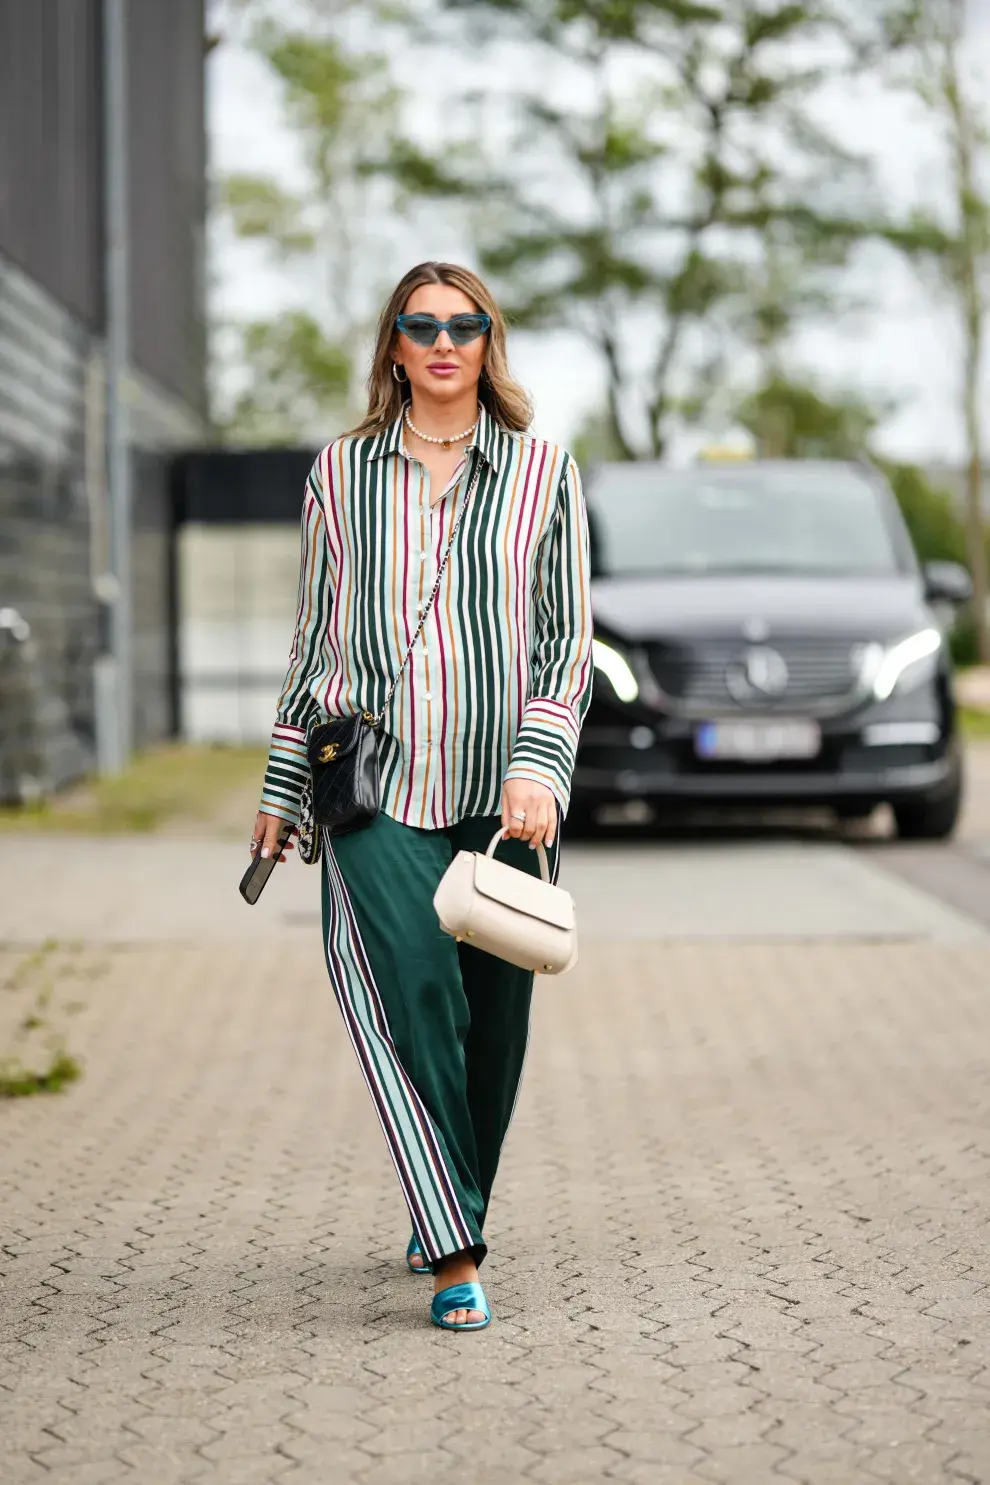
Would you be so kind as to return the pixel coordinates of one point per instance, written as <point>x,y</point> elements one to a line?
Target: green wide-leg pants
<point>440,1028</point>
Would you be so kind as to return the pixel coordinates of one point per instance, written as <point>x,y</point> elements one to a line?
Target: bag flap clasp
<point>330,741</point>
<point>524,894</point>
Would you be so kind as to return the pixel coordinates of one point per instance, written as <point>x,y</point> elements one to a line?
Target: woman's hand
<point>265,837</point>
<point>536,806</point>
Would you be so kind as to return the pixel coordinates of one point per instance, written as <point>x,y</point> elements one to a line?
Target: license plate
<point>760,740</point>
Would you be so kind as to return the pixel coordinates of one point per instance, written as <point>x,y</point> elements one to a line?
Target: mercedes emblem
<point>759,673</point>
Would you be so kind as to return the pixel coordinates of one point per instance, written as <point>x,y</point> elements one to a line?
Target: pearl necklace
<point>444,443</point>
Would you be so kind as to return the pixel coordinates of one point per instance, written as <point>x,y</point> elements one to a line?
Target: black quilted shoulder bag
<point>344,790</point>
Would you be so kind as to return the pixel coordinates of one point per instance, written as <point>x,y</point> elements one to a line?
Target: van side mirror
<point>947,582</point>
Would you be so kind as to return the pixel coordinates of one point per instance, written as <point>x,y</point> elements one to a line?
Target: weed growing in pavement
<point>19,1082</point>
<point>38,1060</point>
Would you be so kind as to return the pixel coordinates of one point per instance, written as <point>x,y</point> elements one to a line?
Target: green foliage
<point>931,514</point>
<point>20,1082</point>
<point>795,420</point>
<point>297,383</point>
<point>939,535</point>
<point>260,208</point>
<point>931,38</point>
<point>292,378</point>
<point>673,212</point>
<point>974,724</point>
<point>775,25</point>
<point>592,234</point>
<point>595,442</point>
<point>419,175</point>
<point>340,102</point>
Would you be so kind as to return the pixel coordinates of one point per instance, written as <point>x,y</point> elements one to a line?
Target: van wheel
<point>933,818</point>
<point>861,811</point>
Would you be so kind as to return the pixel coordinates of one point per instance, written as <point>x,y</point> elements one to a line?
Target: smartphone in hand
<point>254,879</point>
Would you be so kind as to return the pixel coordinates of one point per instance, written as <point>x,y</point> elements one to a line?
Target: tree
<point>292,376</point>
<point>932,34</point>
<point>930,513</point>
<point>296,380</point>
<point>679,169</point>
<point>801,420</point>
<point>797,420</point>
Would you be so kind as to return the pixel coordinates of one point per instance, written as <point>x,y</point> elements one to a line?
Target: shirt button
<point>422,556</point>
<point>428,696</point>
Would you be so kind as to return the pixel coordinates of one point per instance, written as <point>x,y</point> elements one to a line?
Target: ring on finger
<point>517,816</point>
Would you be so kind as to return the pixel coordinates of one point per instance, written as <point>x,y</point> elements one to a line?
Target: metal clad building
<point>168,192</point>
<point>50,148</point>
<point>53,514</point>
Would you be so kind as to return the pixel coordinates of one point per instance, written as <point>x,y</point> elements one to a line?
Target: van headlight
<point>901,666</point>
<point>616,670</point>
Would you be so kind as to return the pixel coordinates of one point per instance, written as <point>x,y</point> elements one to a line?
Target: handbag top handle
<point>541,854</point>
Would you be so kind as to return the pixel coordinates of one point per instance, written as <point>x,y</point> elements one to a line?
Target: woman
<point>481,732</point>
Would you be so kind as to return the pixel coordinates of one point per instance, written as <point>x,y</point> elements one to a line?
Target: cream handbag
<point>506,912</point>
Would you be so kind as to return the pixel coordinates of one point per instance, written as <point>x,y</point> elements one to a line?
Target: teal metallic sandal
<point>411,1251</point>
<point>460,1297</point>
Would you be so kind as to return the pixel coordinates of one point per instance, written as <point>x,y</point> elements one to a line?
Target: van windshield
<point>798,519</point>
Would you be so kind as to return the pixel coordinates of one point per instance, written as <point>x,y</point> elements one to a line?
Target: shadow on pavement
<point>712,826</point>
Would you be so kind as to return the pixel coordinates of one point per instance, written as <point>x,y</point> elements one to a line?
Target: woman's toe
<point>463,1317</point>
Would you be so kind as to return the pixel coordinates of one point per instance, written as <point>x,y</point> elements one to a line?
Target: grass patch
<point>176,782</point>
<point>973,723</point>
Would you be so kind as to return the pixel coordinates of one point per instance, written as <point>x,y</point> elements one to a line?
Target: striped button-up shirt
<point>499,680</point>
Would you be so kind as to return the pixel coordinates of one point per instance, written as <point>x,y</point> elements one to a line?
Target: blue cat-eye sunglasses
<point>424,329</point>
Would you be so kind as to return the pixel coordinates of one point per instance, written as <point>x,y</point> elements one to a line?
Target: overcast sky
<point>904,348</point>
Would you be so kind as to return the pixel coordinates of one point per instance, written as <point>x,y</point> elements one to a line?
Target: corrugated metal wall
<point>45,526</point>
<point>51,169</point>
<point>52,501</point>
<point>167,184</point>
<point>50,150</point>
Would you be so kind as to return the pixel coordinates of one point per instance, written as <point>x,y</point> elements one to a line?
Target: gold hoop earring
<point>395,374</point>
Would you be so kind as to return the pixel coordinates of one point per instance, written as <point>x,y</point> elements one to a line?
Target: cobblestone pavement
<point>740,1234</point>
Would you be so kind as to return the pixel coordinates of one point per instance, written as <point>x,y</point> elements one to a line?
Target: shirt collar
<point>488,439</point>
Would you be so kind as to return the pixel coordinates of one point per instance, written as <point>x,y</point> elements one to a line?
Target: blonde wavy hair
<point>507,402</point>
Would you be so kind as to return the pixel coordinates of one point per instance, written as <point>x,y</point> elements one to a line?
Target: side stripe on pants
<point>408,1129</point>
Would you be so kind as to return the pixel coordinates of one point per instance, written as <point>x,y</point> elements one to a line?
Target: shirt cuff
<point>287,773</point>
<point>546,747</point>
